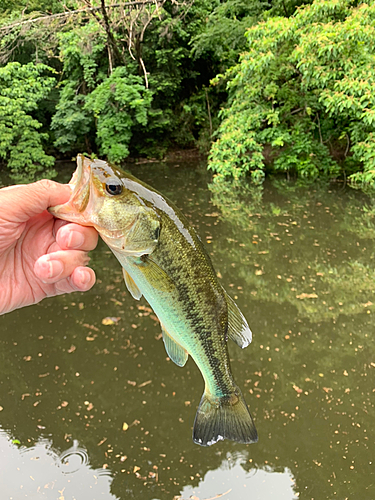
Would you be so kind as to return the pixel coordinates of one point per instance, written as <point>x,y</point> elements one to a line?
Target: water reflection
<point>40,471</point>
<point>233,480</point>
<point>307,248</point>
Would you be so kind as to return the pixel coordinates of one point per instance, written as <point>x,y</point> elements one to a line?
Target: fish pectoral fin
<point>155,275</point>
<point>131,286</point>
<point>238,329</point>
<point>144,234</point>
<point>177,353</point>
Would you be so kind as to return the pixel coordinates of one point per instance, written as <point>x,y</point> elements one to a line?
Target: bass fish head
<point>100,199</point>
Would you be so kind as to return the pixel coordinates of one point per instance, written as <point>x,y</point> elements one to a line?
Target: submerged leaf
<point>110,320</point>
<point>307,296</point>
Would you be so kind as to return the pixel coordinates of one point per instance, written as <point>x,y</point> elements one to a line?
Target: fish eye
<point>113,187</point>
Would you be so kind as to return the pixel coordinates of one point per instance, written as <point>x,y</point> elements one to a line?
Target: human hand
<point>40,256</point>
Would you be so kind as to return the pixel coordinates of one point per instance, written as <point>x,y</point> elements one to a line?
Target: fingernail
<point>75,240</point>
<point>85,277</point>
<point>55,268</point>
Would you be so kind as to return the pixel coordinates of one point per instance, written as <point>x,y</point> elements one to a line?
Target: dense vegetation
<point>303,92</point>
<point>264,86</point>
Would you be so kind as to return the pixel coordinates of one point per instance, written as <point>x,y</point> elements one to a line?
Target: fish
<point>164,260</point>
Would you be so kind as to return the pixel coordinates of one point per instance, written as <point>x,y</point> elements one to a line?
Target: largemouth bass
<point>164,260</point>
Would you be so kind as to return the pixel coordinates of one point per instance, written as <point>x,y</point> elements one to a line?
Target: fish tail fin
<point>226,418</point>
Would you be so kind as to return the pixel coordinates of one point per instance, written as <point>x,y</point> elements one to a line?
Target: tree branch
<point>111,39</point>
<point>73,12</point>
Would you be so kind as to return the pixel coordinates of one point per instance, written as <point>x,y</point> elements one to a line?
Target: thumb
<point>24,201</point>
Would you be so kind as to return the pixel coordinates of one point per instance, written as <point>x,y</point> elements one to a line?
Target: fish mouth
<point>78,175</point>
<point>72,211</point>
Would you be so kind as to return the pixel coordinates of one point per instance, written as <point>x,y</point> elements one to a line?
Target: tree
<point>303,92</point>
<point>87,41</point>
<point>22,87</point>
<point>117,103</point>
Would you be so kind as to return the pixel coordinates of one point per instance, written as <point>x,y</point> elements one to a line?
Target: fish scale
<point>164,260</point>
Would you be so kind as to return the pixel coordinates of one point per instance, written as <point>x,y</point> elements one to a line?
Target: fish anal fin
<point>177,353</point>
<point>131,286</point>
<point>227,418</point>
<point>238,329</point>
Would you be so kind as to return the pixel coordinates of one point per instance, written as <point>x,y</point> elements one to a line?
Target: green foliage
<point>300,99</point>
<point>117,103</point>
<point>304,89</point>
<point>82,52</point>
<point>30,6</point>
<point>223,37</point>
<point>285,7</point>
<point>178,114</point>
<point>177,77</point>
<point>22,87</point>
<point>71,122</point>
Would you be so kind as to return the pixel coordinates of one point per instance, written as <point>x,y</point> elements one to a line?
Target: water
<point>96,411</point>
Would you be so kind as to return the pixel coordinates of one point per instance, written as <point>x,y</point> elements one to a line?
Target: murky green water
<point>95,411</point>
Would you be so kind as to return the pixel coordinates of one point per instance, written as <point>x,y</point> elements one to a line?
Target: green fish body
<point>164,260</point>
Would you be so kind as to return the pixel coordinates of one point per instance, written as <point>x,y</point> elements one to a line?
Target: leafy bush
<point>82,52</point>
<point>118,103</point>
<point>178,110</point>
<point>22,87</point>
<point>304,90</point>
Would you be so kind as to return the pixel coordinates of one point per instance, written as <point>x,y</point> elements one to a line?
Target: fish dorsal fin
<point>177,353</point>
<point>131,286</point>
<point>238,329</point>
